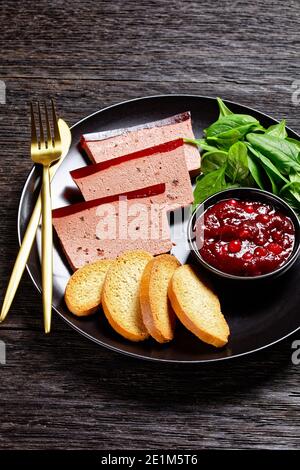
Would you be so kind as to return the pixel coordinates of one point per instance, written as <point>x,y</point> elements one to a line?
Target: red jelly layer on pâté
<point>92,169</point>
<point>81,206</point>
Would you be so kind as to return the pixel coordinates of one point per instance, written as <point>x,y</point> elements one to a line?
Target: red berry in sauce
<point>235,246</point>
<point>247,256</point>
<point>260,251</point>
<point>244,234</point>
<point>260,240</point>
<point>249,209</point>
<point>277,235</point>
<point>277,221</point>
<point>263,218</point>
<point>275,248</point>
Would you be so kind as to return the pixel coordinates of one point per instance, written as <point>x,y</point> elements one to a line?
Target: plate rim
<point>87,335</point>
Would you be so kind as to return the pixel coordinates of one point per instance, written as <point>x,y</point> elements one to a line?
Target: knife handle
<point>22,258</point>
<point>24,252</point>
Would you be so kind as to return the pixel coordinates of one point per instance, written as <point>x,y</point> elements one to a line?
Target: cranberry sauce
<point>245,238</point>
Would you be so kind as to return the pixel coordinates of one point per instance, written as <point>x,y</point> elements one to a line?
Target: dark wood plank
<point>153,40</point>
<point>70,393</point>
<point>78,98</point>
<point>62,391</point>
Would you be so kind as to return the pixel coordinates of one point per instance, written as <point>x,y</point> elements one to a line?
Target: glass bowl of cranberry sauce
<point>245,233</point>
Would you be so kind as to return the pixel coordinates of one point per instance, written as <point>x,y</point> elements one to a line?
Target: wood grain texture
<point>62,391</point>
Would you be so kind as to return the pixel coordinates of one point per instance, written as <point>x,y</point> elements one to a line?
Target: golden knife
<point>32,227</point>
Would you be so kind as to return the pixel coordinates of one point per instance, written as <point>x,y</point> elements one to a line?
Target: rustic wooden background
<point>62,391</point>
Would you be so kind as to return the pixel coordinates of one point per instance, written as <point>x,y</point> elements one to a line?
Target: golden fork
<point>45,152</point>
<point>32,226</point>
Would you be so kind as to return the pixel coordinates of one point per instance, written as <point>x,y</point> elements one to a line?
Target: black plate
<point>258,315</point>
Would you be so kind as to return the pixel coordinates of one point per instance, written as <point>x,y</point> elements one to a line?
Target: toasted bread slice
<point>84,289</point>
<point>120,295</point>
<point>158,315</point>
<point>197,307</point>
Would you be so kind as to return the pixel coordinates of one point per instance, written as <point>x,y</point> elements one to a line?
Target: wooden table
<point>62,391</point>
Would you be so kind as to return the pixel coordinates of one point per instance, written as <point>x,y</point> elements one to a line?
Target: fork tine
<point>49,137</point>
<point>42,139</point>
<point>34,140</point>
<point>55,125</point>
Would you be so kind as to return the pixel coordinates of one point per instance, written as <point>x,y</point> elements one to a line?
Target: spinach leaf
<point>268,166</point>
<point>273,181</point>
<point>209,184</point>
<point>294,177</point>
<point>228,123</point>
<point>201,143</point>
<point>278,130</point>
<point>213,160</point>
<point>294,188</point>
<point>282,153</point>
<point>294,141</point>
<point>229,129</point>
<point>239,151</point>
<point>256,172</point>
<point>226,139</point>
<point>291,194</point>
<point>192,141</point>
<point>224,111</point>
<point>249,182</point>
<point>237,169</point>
